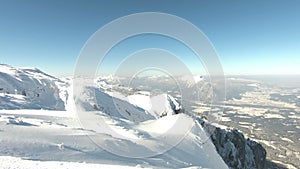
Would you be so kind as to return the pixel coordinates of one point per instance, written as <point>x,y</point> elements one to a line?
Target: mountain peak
<point>40,89</point>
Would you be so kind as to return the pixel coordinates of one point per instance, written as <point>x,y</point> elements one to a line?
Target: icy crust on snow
<point>29,88</point>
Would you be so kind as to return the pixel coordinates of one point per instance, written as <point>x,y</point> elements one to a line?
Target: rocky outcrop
<point>237,151</point>
<point>259,153</point>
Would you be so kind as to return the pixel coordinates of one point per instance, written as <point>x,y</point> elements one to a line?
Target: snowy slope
<point>103,129</point>
<point>136,130</point>
<point>29,88</point>
<point>7,162</point>
<point>158,106</point>
<point>61,139</point>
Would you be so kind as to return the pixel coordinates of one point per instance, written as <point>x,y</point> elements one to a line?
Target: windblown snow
<point>42,126</point>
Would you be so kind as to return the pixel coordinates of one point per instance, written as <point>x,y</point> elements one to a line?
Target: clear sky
<point>250,37</point>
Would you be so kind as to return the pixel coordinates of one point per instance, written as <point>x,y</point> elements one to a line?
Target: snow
<point>53,113</point>
<point>225,119</point>
<point>7,162</point>
<point>66,141</point>
<point>286,139</point>
<point>198,78</point>
<point>156,105</point>
<point>40,90</point>
<point>142,101</point>
<point>294,116</point>
<point>268,116</point>
<point>268,143</point>
<point>96,129</point>
<point>163,125</point>
<point>289,166</point>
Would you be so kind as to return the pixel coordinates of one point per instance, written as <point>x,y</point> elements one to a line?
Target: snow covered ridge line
<point>137,117</point>
<point>30,88</point>
<point>236,151</point>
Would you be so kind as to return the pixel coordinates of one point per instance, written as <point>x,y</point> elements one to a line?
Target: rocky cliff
<point>237,151</point>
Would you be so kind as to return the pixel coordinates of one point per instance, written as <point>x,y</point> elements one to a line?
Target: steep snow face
<point>158,106</point>
<point>136,108</point>
<point>92,99</point>
<point>29,88</point>
<point>144,127</point>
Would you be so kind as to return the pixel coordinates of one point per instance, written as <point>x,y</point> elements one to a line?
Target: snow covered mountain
<point>106,128</point>
<point>30,88</point>
<point>159,106</point>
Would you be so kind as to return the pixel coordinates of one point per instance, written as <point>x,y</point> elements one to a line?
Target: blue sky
<point>250,37</point>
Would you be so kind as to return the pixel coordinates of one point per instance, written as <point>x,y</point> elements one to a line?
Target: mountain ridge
<point>124,112</point>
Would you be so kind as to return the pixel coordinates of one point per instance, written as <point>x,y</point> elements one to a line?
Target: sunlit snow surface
<point>36,133</point>
<point>264,108</point>
<point>43,136</point>
<point>52,136</point>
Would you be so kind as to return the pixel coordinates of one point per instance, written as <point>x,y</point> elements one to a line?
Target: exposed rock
<point>236,151</point>
<point>259,153</point>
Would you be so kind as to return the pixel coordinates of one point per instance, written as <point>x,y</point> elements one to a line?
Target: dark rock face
<point>236,151</point>
<point>259,153</point>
